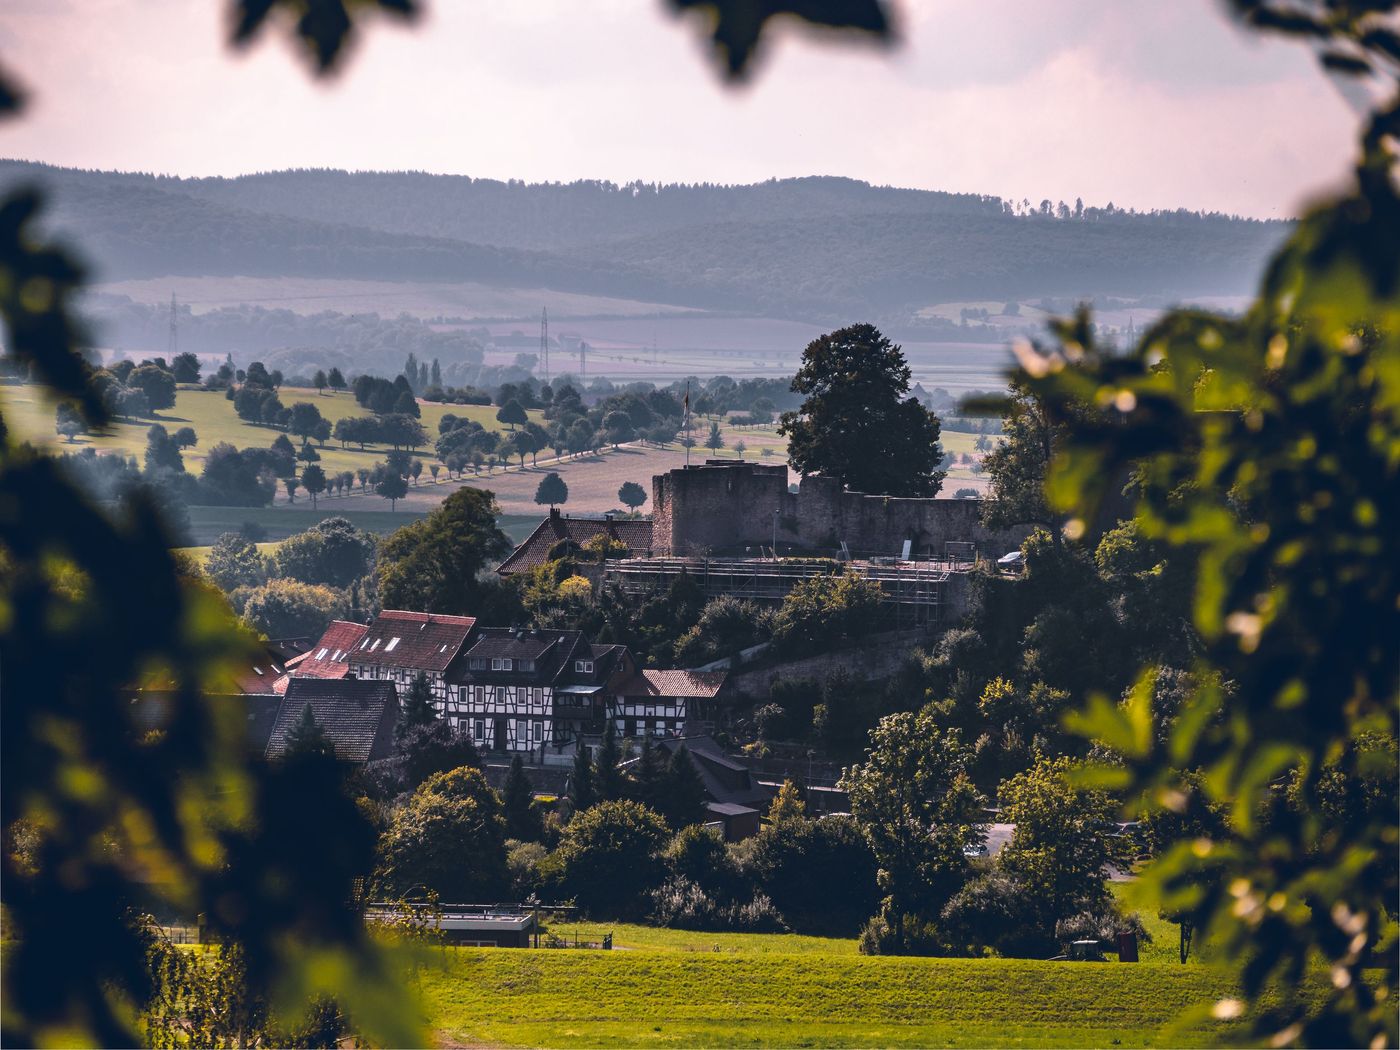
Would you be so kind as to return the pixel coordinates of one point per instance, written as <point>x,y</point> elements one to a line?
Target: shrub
<point>820,874</point>
<point>997,912</point>
<point>288,609</point>
<point>683,904</point>
<point>609,857</point>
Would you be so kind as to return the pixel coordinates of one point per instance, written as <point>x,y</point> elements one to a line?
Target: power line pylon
<point>544,339</point>
<point>174,340</point>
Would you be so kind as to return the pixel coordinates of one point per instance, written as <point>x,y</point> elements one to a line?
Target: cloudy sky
<point>1141,102</point>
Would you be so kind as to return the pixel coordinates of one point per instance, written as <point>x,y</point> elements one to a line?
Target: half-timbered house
<point>659,703</point>
<point>534,690</point>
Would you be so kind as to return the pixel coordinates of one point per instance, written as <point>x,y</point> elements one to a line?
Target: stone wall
<point>726,506</point>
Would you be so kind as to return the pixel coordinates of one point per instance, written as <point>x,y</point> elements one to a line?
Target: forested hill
<point>818,248</point>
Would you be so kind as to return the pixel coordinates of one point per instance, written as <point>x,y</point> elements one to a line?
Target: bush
<point>820,874</point>
<point>609,858</point>
<point>523,860</point>
<point>1103,926</point>
<point>683,904</point>
<point>995,912</point>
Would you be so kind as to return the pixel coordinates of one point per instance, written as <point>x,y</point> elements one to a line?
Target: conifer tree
<point>307,739</point>
<point>522,820</point>
<point>787,804</point>
<point>608,777</point>
<point>417,708</point>
<point>582,787</point>
<point>648,776</point>
<point>682,800</point>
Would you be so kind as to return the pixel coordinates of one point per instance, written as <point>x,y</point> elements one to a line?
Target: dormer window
<point>502,663</point>
<point>527,665</point>
<point>477,663</point>
<point>583,666</point>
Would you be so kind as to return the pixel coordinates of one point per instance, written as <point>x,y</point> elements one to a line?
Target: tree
<point>715,441</point>
<point>1017,466</point>
<point>417,708</point>
<point>291,484</point>
<point>313,479</point>
<point>332,552</point>
<point>448,839</point>
<point>920,812</point>
<point>609,857</point>
<point>392,487</point>
<point>1061,848</point>
<point>158,384</point>
<point>511,414</point>
<point>856,423</point>
<point>435,469</point>
<point>433,564</point>
<point>415,470</point>
<point>581,781</point>
<point>308,454</point>
<point>681,793</point>
<point>522,818</point>
<point>319,380</point>
<point>740,447</point>
<point>609,777</point>
<point>185,368</point>
<point>185,437</point>
<point>307,739</point>
<point>68,422</point>
<point>552,489</point>
<point>632,495</point>
<point>821,874</point>
<point>289,609</point>
<point>161,451</point>
<point>305,418</point>
<point>336,379</point>
<point>234,561</point>
<point>787,804</point>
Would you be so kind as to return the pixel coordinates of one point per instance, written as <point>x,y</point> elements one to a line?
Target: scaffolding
<point>913,591</point>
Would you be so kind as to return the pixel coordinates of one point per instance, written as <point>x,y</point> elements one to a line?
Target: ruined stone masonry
<point>724,507</point>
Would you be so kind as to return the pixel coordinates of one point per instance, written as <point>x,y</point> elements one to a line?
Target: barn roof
<point>634,532</point>
<point>357,715</point>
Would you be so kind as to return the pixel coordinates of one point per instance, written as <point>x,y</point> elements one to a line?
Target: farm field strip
<point>659,997</point>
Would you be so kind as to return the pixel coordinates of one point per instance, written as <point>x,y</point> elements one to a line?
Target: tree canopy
<point>433,564</point>
<point>856,423</point>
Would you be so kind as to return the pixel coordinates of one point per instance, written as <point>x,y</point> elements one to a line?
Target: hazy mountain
<point>817,248</point>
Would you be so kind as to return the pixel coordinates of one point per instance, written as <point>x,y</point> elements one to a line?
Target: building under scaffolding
<point>915,592</point>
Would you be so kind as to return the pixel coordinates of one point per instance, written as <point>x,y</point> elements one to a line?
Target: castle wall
<point>726,506</point>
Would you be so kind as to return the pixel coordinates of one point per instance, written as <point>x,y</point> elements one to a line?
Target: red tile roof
<point>420,641</point>
<point>634,532</point>
<point>326,658</point>
<point>673,683</point>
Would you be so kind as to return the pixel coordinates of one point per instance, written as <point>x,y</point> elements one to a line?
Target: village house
<point>399,645</point>
<point>534,690</point>
<point>659,703</point>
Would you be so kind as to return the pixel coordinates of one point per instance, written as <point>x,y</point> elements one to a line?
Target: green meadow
<point>678,988</point>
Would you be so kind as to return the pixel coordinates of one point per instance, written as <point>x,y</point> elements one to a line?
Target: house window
<point>477,663</point>
<point>393,644</point>
<point>462,695</point>
<point>479,692</point>
<point>479,729</point>
<point>583,666</point>
<point>375,646</point>
<point>496,663</point>
<point>539,732</point>
<point>322,654</point>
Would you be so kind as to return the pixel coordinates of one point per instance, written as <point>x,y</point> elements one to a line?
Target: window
<point>322,654</point>
<point>375,646</point>
<point>497,664</point>
<point>462,695</point>
<point>507,664</point>
<point>477,663</point>
<point>479,729</point>
<point>583,666</point>
<point>527,665</point>
<point>393,644</point>
<point>539,732</point>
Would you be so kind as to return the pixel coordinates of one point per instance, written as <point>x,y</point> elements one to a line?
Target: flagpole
<point>687,422</point>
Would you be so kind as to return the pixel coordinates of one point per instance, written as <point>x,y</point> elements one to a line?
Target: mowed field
<point>675,988</point>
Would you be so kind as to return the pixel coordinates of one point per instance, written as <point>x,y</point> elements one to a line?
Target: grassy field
<point>31,417</point>
<point>673,988</point>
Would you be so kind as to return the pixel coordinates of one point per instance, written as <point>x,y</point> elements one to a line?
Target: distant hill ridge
<point>817,247</point>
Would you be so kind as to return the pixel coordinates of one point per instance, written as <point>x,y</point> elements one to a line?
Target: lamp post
<point>775,535</point>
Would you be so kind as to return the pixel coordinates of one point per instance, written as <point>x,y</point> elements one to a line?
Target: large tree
<point>433,564</point>
<point>920,811</point>
<point>857,423</point>
<point>449,838</point>
<point>552,489</point>
<point>331,552</point>
<point>1018,464</point>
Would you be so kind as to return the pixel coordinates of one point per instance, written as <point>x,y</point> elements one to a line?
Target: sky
<point>1143,103</point>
